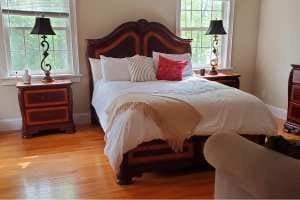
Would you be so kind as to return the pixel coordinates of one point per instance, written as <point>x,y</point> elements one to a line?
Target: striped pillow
<point>141,69</point>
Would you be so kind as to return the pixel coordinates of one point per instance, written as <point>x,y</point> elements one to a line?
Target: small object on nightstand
<point>228,78</point>
<point>26,77</point>
<point>46,106</point>
<point>202,72</point>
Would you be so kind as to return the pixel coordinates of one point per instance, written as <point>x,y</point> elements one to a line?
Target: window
<point>21,50</point>
<point>193,22</point>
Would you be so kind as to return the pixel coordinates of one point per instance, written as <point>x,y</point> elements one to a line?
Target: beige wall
<point>96,18</point>
<point>245,41</point>
<point>278,48</point>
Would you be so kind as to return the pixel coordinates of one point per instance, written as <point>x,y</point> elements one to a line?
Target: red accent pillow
<point>170,70</point>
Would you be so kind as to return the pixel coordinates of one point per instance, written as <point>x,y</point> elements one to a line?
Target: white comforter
<point>223,110</point>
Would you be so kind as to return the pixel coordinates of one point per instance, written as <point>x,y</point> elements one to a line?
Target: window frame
<point>226,46</point>
<point>6,78</point>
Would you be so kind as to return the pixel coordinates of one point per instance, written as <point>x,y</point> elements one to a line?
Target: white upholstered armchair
<point>247,170</point>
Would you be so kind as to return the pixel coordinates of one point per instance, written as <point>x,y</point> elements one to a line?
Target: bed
<point>146,150</point>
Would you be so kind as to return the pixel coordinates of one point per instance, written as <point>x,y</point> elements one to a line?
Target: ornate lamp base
<point>213,71</point>
<point>47,78</point>
<point>214,62</point>
<point>44,66</point>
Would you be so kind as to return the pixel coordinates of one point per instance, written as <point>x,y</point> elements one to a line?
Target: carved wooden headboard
<point>131,38</point>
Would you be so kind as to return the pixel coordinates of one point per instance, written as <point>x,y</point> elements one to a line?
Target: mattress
<point>223,110</point>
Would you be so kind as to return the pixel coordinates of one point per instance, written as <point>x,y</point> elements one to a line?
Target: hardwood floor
<point>64,166</point>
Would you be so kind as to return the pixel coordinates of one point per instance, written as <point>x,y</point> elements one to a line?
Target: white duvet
<point>223,110</point>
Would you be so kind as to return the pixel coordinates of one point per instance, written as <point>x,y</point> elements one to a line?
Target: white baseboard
<point>16,123</point>
<point>82,118</point>
<point>11,124</point>
<point>278,112</point>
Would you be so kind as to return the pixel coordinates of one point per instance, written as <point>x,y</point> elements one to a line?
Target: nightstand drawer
<point>47,115</point>
<point>295,96</point>
<point>46,97</point>
<point>231,83</point>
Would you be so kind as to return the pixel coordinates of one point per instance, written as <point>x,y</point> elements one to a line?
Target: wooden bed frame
<point>143,37</point>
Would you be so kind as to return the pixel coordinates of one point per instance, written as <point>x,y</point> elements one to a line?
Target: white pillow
<point>115,69</point>
<point>141,69</point>
<point>188,70</point>
<point>96,69</point>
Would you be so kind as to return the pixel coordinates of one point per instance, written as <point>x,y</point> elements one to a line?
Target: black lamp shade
<point>42,26</point>
<point>216,28</point>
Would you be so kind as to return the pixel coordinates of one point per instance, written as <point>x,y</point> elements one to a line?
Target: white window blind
<point>194,20</point>
<point>23,49</point>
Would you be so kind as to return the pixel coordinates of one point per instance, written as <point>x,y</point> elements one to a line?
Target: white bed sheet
<point>223,110</point>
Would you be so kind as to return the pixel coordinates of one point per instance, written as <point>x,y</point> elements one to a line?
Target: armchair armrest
<point>259,171</point>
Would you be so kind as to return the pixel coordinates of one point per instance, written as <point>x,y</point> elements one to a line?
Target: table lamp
<point>216,28</point>
<point>43,27</point>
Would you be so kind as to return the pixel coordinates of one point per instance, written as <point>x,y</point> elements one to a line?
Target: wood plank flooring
<point>64,166</point>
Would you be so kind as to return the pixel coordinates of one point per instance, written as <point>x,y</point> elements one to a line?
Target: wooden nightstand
<point>226,77</point>
<point>292,125</point>
<point>46,106</point>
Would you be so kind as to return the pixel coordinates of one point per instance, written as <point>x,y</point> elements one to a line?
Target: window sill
<point>12,81</point>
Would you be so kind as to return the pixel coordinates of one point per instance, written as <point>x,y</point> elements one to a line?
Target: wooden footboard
<point>157,155</point>
<point>153,156</point>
